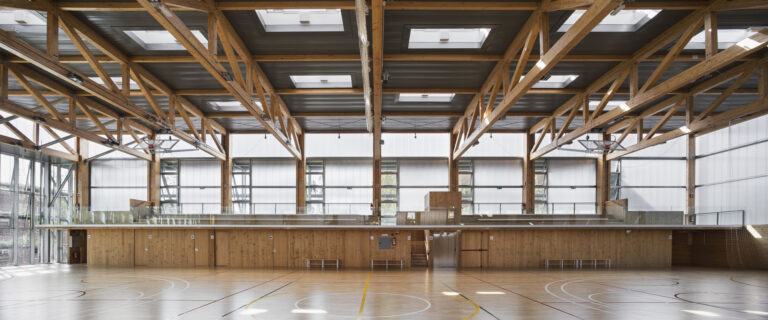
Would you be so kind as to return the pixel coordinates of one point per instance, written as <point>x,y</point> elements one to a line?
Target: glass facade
<point>33,190</point>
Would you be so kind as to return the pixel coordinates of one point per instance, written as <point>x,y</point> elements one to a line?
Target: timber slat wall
<point>509,249</point>
<point>512,249</point>
<point>721,248</point>
<point>240,248</point>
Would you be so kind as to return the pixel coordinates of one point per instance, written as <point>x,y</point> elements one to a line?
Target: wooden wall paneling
<point>110,247</point>
<point>528,248</point>
<point>222,247</point>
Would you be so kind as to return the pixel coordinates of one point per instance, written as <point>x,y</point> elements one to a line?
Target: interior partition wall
<point>34,190</point>
<point>732,174</point>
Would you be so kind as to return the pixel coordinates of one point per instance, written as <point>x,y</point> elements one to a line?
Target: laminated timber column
<point>377,31</point>
<point>153,180</point>
<point>82,175</point>
<point>226,173</point>
<point>453,167</point>
<point>301,180</point>
<point>690,162</point>
<point>529,176</point>
<point>603,179</point>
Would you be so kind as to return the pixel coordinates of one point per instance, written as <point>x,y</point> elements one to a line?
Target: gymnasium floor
<point>79,292</point>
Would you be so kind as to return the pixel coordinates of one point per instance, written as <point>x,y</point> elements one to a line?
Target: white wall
<point>498,145</point>
<point>403,145</point>
<point>736,179</point>
<point>640,179</point>
<point>323,145</point>
<point>256,146</point>
<point>115,182</point>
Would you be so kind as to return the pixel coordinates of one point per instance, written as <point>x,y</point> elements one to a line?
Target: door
<point>443,249</point>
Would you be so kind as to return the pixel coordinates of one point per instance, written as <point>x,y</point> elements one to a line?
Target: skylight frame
<point>325,20</point>
<point>135,35</point>
<point>608,24</point>
<point>612,104</point>
<point>118,82</point>
<point>223,105</point>
<point>433,38</point>
<point>698,41</point>
<point>553,83</point>
<point>426,97</point>
<point>314,81</point>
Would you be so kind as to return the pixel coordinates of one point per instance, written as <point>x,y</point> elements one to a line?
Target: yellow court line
<point>477,307</point>
<point>365,293</point>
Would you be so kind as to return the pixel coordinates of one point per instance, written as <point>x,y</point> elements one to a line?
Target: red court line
<point>522,295</point>
<point>232,294</point>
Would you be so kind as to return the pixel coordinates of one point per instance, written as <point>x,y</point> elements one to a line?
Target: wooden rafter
<point>116,99</point>
<point>591,17</point>
<point>86,52</point>
<point>387,57</point>
<point>171,22</point>
<point>398,5</point>
<point>715,63</point>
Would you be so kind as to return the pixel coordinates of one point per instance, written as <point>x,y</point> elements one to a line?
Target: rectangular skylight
<point>450,38</point>
<point>323,81</point>
<point>425,97</point>
<point>725,38</point>
<point>118,81</point>
<point>624,21</point>
<point>555,81</point>
<point>232,105</point>
<point>301,20</point>
<point>609,106</point>
<point>160,39</point>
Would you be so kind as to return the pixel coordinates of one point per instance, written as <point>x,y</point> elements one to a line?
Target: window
<point>301,20</point>
<point>241,183</point>
<point>389,183</point>
<point>425,97</point>
<point>725,38</point>
<point>169,185</point>
<point>554,81</point>
<point>160,39</point>
<point>466,181</point>
<point>448,38</point>
<point>322,81</point>
<point>117,80</point>
<point>624,21</point>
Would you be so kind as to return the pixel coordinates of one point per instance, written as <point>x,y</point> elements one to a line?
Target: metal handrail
<point>718,214</point>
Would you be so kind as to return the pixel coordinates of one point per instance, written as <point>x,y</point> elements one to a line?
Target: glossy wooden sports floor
<point>79,292</point>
